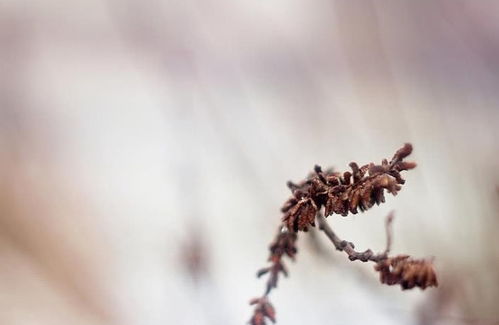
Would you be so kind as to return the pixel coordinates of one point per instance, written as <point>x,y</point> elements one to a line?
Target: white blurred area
<point>134,134</point>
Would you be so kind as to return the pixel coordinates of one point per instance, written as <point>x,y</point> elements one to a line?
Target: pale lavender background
<point>130,127</point>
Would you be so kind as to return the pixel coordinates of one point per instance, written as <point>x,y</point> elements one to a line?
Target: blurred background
<point>145,147</point>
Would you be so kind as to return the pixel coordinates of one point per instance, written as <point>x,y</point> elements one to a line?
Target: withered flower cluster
<point>324,193</point>
<point>407,272</point>
<point>342,193</point>
<point>263,310</point>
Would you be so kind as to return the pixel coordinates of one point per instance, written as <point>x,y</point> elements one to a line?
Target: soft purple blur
<point>145,146</point>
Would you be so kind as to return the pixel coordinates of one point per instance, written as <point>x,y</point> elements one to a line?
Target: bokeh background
<point>145,146</point>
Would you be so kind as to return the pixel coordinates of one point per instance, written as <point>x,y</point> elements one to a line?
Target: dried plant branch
<point>324,193</point>
<point>284,244</point>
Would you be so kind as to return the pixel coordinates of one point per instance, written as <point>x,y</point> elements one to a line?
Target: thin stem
<point>349,248</point>
<point>389,231</point>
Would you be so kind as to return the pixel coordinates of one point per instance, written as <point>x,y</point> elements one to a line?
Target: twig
<point>389,231</point>
<point>349,248</point>
<point>283,245</point>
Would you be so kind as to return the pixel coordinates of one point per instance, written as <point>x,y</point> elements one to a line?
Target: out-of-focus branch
<point>283,244</point>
